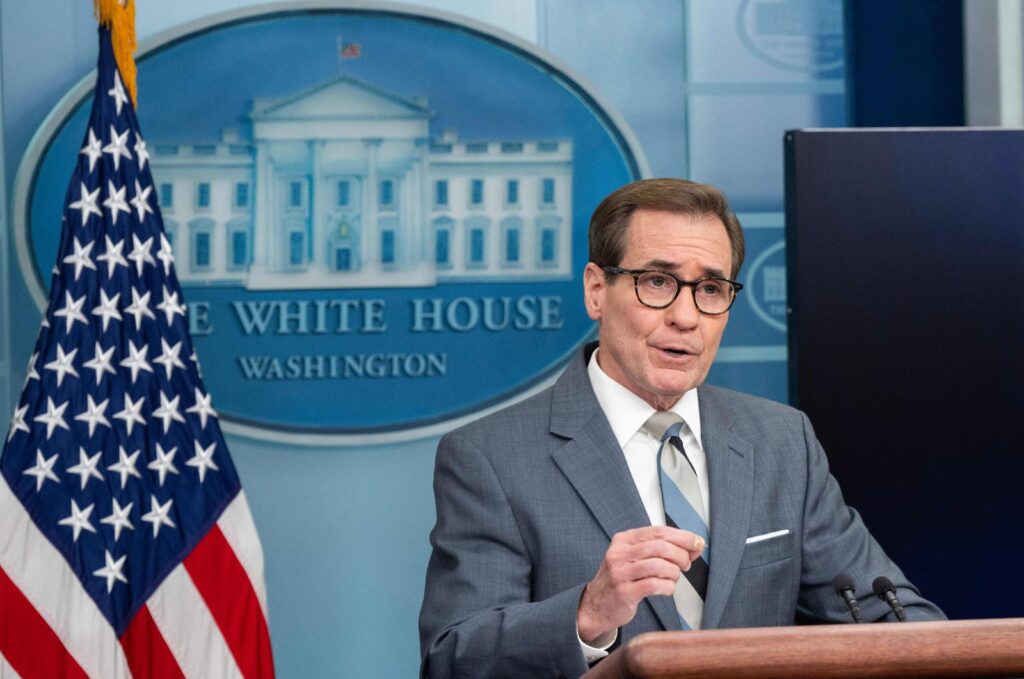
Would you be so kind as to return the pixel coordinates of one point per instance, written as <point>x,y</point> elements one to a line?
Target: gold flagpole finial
<point>119,17</point>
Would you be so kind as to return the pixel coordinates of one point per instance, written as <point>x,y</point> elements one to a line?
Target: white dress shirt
<point>626,413</point>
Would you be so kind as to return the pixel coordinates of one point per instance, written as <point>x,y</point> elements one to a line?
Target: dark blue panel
<point>906,275</point>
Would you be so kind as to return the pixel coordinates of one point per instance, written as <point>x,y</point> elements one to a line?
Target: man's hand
<point>639,563</point>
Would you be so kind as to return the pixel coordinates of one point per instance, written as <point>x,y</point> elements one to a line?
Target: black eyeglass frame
<point>680,284</point>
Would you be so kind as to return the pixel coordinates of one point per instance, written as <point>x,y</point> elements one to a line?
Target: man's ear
<point>595,284</point>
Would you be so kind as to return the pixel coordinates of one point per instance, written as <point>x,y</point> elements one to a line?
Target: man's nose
<point>683,312</point>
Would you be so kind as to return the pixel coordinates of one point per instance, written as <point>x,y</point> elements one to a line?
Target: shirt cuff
<point>600,648</point>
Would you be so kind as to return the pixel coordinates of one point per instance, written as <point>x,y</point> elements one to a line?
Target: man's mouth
<point>676,351</point>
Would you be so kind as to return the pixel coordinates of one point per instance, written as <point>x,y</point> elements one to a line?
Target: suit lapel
<point>593,463</point>
<point>602,481</point>
<point>731,483</point>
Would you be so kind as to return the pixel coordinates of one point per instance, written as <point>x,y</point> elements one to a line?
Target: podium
<point>962,648</point>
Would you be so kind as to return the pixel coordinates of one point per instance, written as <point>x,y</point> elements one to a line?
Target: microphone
<point>886,591</point>
<point>844,587</point>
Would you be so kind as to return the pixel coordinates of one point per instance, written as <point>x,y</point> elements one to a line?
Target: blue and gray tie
<point>684,508</point>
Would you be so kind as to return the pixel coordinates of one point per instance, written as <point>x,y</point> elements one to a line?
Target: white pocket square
<point>767,536</point>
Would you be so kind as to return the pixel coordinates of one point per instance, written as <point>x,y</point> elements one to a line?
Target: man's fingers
<point>680,559</point>
<point>677,536</point>
<point>662,550</point>
<point>653,587</point>
<point>684,539</point>
<point>653,568</point>
<point>623,577</point>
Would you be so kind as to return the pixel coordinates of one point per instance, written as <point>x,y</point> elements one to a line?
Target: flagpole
<point>5,282</point>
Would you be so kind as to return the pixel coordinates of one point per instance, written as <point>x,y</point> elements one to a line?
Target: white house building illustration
<point>342,186</point>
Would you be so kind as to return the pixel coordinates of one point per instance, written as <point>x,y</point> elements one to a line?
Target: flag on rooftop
<point>126,543</point>
<point>349,50</point>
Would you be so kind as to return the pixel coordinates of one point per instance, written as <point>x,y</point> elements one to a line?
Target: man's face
<point>659,354</point>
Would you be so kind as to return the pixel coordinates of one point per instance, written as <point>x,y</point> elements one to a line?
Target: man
<point>629,497</point>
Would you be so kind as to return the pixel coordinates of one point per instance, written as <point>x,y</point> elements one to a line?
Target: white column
<point>183,244</point>
<point>319,206</point>
<point>370,240</point>
<point>412,215</point>
<point>422,241</point>
<point>262,205</point>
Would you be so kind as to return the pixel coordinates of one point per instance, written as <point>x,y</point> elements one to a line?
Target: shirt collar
<point>626,412</point>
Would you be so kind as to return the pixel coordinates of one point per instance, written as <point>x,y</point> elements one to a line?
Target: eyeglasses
<point>713,295</point>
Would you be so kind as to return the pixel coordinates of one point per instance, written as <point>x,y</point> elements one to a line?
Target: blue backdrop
<point>706,88</point>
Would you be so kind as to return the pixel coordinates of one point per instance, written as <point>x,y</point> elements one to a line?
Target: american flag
<point>349,50</point>
<point>126,543</point>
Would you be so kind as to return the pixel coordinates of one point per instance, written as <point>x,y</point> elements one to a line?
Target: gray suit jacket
<point>528,499</point>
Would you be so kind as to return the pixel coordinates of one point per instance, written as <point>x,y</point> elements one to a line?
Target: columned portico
<point>350,190</point>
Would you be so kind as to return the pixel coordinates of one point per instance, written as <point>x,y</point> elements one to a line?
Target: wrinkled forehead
<point>672,241</point>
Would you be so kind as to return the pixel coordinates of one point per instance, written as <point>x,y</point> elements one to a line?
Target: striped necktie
<point>684,508</point>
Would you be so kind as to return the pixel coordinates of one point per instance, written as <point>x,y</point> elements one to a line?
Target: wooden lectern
<point>963,648</point>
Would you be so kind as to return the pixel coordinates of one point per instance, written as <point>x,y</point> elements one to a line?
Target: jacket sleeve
<point>478,617</point>
<point>835,540</point>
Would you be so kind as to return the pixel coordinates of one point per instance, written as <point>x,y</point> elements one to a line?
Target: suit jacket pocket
<point>767,551</point>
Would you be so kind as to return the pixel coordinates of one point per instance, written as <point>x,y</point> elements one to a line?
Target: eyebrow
<point>665,265</point>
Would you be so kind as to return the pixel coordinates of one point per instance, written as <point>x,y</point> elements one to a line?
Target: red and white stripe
<point>207,618</point>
